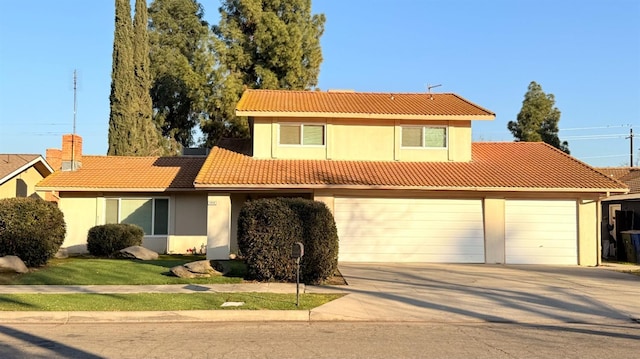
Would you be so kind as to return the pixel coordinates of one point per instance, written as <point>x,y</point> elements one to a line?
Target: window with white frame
<point>301,134</point>
<point>152,214</point>
<point>424,136</point>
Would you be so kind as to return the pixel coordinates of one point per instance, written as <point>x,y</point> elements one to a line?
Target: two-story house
<point>399,172</point>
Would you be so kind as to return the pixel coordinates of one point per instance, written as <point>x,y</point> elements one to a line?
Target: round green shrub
<point>31,229</point>
<point>319,237</point>
<point>267,229</point>
<point>107,239</point>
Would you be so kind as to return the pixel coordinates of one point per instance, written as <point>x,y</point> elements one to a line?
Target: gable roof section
<point>13,164</point>
<point>628,175</point>
<point>509,166</point>
<point>407,106</point>
<point>121,173</point>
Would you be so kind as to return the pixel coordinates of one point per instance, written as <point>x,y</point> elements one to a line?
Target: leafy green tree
<point>268,44</point>
<point>538,119</point>
<point>182,65</point>
<point>122,132</point>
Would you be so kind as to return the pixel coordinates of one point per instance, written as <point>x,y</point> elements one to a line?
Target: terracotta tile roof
<point>12,163</point>
<point>628,175</point>
<point>127,173</point>
<point>358,104</point>
<point>495,166</point>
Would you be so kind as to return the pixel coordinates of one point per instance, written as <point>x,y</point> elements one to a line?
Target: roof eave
<point>111,189</point>
<point>235,187</point>
<point>25,167</point>
<point>375,116</point>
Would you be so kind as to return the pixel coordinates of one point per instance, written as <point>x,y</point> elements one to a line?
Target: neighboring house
<point>19,174</point>
<point>399,172</point>
<point>628,204</point>
<point>156,193</point>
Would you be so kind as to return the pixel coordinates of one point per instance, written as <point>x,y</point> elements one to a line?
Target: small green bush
<point>268,228</point>
<point>31,229</point>
<point>105,240</point>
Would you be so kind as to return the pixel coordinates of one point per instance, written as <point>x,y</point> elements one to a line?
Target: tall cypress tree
<point>268,44</point>
<point>148,139</point>
<point>122,131</point>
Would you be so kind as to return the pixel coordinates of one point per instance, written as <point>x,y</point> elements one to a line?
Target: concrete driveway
<point>483,293</point>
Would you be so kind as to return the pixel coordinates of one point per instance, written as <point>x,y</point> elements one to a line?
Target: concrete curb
<point>183,316</point>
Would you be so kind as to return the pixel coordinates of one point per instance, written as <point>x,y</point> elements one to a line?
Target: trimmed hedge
<point>31,229</point>
<point>320,239</point>
<point>268,228</point>
<point>107,239</point>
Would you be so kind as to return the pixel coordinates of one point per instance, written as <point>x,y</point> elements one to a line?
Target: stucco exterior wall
<point>494,231</point>
<point>187,222</point>
<point>80,214</point>
<point>588,232</point>
<point>361,139</point>
<point>218,225</point>
<point>22,185</point>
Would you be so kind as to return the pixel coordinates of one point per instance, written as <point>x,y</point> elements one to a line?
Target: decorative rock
<point>183,272</point>
<point>204,267</point>
<point>12,264</point>
<point>138,252</point>
<point>62,253</point>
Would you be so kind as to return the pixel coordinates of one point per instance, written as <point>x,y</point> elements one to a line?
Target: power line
<point>595,127</point>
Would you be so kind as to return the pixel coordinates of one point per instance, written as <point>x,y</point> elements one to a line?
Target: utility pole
<point>630,147</point>
<point>75,108</point>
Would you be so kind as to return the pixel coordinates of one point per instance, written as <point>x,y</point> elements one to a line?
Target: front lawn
<point>100,271</point>
<point>159,301</point>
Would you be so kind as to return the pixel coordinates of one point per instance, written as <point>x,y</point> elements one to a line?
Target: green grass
<point>159,301</point>
<point>99,271</point>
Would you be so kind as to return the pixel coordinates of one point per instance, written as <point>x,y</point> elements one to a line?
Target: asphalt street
<point>318,340</point>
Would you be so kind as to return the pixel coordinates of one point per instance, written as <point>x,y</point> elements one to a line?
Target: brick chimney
<point>71,152</point>
<point>54,158</point>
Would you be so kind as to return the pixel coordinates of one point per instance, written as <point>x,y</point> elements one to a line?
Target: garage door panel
<point>541,232</point>
<point>415,257</point>
<point>398,231</point>
<point>410,230</point>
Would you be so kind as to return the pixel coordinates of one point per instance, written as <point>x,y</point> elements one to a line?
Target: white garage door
<point>541,232</point>
<point>410,230</point>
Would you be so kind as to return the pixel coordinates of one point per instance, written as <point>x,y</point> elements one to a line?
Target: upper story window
<point>152,214</point>
<point>424,136</point>
<point>302,134</point>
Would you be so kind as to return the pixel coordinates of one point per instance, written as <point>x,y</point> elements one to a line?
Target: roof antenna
<point>429,87</point>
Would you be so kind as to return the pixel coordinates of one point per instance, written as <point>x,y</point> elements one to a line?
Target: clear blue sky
<point>586,53</point>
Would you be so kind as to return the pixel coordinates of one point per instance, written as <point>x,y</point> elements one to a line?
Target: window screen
<point>313,135</point>
<point>412,136</point>
<point>435,137</point>
<point>289,134</point>
<point>111,210</point>
<point>137,211</point>
<point>161,216</point>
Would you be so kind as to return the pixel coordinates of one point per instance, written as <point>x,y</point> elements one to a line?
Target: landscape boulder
<point>62,253</point>
<point>138,252</point>
<point>12,264</point>
<point>199,269</point>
